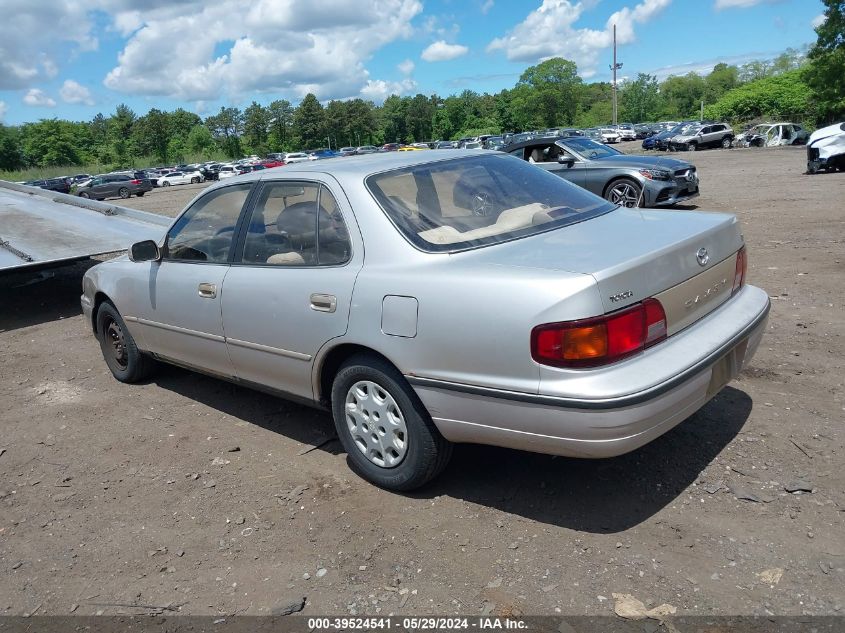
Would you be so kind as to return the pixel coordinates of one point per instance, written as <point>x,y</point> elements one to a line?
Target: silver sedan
<point>426,298</point>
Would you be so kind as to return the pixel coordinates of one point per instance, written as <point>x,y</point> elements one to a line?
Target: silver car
<point>428,298</point>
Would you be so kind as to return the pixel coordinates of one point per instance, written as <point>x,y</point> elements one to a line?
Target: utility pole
<point>702,110</point>
<point>616,66</point>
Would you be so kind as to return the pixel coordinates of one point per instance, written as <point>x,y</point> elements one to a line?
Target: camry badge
<point>702,256</point>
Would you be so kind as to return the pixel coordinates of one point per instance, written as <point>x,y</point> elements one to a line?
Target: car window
<point>296,224</point>
<point>474,201</point>
<point>205,231</point>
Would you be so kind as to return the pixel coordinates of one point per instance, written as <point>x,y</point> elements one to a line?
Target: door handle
<point>323,303</point>
<point>207,291</point>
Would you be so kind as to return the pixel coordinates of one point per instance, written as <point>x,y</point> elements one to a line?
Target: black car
<point>51,184</point>
<point>114,186</point>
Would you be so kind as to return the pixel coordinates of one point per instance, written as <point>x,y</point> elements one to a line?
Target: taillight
<point>134,182</point>
<point>741,270</point>
<point>600,340</point>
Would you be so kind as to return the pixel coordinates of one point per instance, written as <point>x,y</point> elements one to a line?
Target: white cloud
<point>550,31</point>
<point>440,51</point>
<point>704,67</point>
<point>73,92</point>
<point>486,6</point>
<point>3,110</point>
<point>741,4</point>
<point>288,47</point>
<point>818,20</point>
<point>37,97</point>
<point>378,90</point>
<point>406,67</point>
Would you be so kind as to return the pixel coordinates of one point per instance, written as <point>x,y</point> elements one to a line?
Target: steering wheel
<point>482,204</point>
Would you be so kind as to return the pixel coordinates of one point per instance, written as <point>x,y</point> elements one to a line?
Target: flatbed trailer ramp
<point>41,228</point>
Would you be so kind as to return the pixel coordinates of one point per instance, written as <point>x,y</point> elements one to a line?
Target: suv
<point>707,135</point>
<point>114,185</point>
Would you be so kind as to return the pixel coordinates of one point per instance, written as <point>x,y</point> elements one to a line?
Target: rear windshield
<point>475,201</point>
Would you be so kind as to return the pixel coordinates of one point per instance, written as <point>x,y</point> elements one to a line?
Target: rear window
<point>476,201</point>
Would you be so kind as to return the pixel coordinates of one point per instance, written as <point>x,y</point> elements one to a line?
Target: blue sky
<point>74,58</point>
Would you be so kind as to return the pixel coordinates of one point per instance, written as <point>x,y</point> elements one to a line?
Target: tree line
<point>808,88</point>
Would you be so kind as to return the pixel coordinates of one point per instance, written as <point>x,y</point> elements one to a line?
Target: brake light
<point>741,270</point>
<point>135,182</point>
<point>600,340</point>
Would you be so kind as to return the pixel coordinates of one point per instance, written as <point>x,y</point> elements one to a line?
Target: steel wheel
<point>624,193</point>
<point>116,342</point>
<point>376,424</point>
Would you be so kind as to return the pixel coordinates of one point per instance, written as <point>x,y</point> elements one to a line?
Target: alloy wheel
<point>624,194</point>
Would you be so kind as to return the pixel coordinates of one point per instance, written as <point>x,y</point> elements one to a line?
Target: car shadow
<point>33,297</point>
<point>598,496</point>
<point>300,423</point>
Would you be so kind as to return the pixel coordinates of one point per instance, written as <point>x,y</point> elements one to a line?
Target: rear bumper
<point>614,419</point>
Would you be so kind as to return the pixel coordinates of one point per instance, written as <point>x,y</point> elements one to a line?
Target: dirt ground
<point>190,493</point>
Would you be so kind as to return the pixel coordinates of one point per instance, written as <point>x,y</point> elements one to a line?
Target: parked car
<point>446,145</point>
<point>826,149</point>
<point>609,135</point>
<point>60,185</point>
<point>620,323</point>
<point>295,157</point>
<point>390,147</point>
<point>80,178</point>
<point>623,179</point>
<point>662,140</point>
<point>114,186</point>
<point>227,171</point>
<point>180,178</point>
<point>626,132</point>
<point>366,149</point>
<point>772,135</point>
<point>704,136</point>
<point>346,151</point>
<point>494,142</point>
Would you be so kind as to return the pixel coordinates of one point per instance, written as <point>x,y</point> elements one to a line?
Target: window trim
<point>165,249</point>
<point>236,256</point>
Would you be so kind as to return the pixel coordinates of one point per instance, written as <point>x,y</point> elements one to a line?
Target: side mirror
<point>566,160</point>
<point>146,251</point>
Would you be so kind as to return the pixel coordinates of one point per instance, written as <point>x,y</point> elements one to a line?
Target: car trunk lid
<point>685,259</point>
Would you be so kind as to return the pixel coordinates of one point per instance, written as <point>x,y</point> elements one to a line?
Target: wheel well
<point>99,299</point>
<point>332,362</point>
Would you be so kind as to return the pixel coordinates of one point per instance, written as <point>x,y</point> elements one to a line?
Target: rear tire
<point>165,184</point>
<point>383,426</point>
<point>126,362</point>
<point>85,195</point>
<point>140,194</point>
<point>625,192</point>
<point>194,180</point>
<point>727,142</point>
<point>123,192</point>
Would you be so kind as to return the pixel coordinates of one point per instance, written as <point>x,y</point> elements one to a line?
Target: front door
<point>290,291</point>
<point>180,313</point>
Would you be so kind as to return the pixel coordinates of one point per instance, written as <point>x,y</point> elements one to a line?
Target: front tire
<point>166,183</point>
<point>625,192</point>
<point>691,147</point>
<point>85,195</point>
<point>727,142</point>
<point>194,180</point>
<point>126,362</point>
<point>385,430</point>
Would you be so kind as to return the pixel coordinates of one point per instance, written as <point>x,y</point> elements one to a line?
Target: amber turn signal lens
<point>585,342</point>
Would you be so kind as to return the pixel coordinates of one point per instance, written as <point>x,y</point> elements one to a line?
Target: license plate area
<point>726,368</point>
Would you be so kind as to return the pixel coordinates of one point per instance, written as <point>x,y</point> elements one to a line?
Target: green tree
<point>418,117</point>
<point>641,99</point>
<point>683,94</point>
<point>393,119</point>
<point>120,133</point>
<point>281,120</point>
<point>226,127</point>
<point>555,89</point>
<point>11,153</point>
<point>151,134</point>
<point>309,122</point>
<point>826,72</point>
<point>256,128</point>
<point>200,140</point>
<point>51,142</point>
<point>784,96</point>
<point>721,79</point>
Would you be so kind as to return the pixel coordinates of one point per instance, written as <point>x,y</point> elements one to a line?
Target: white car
<point>227,171</point>
<point>180,178</point>
<point>626,133</point>
<point>296,157</point>
<point>609,135</point>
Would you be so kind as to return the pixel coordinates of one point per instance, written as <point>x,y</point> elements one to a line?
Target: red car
<point>273,163</point>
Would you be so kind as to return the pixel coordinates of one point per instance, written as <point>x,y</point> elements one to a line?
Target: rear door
<point>290,290</point>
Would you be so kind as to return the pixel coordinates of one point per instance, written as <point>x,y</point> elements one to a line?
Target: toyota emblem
<point>702,256</point>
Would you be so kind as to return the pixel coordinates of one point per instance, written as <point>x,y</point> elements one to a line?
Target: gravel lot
<point>189,491</point>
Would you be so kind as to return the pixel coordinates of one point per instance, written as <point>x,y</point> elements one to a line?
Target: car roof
<point>356,168</point>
